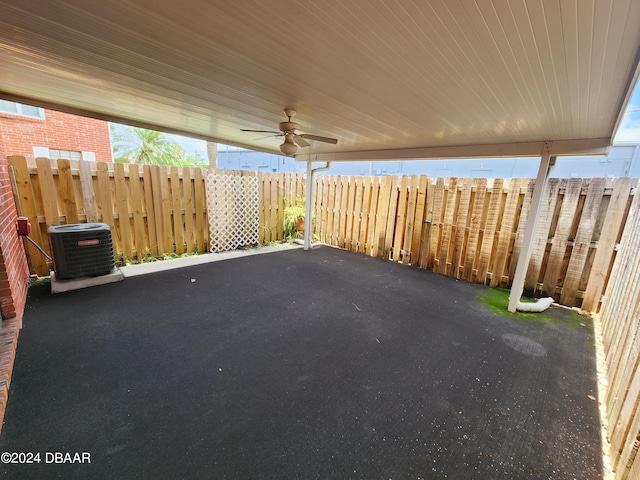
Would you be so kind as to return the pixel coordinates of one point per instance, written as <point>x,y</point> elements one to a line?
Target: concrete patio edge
<point>161,265</point>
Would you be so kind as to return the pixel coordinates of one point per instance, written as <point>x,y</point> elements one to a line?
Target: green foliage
<point>292,215</point>
<point>122,261</point>
<point>148,147</point>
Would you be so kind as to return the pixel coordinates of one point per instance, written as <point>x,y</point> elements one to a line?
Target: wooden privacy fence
<point>466,228</point>
<point>152,210</point>
<point>277,191</point>
<point>472,229</point>
<point>620,317</point>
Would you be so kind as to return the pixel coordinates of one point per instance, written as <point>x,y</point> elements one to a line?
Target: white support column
<point>308,213</point>
<point>547,162</point>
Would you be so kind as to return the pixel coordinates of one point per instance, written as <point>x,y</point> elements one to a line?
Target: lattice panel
<point>232,206</point>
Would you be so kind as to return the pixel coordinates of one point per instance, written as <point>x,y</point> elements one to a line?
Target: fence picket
<point>188,207</point>
<point>421,199</point>
<point>389,229</point>
<point>475,223</point>
<point>542,229</point>
<point>176,209</point>
<point>365,205</point>
<point>136,199</point>
<point>373,208</point>
<point>48,191</point>
<point>400,219</point>
<point>88,192</point>
<point>147,181</point>
<point>105,200</point>
<point>201,220</point>
<point>582,240</point>
<point>382,209</point>
<point>281,195</point>
<point>344,198</point>
<point>66,192</point>
<point>321,221</point>
<point>357,214</point>
<point>561,235</point>
<point>122,207</point>
<point>447,229</point>
<point>505,236</point>
<point>349,214</point>
<point>436,224</point>
<point>488,238</point>
<point>410,219</point>
<point>275,201</point>
<point>461,231</point>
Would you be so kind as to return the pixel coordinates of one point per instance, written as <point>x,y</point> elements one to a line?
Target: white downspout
<point>547,162</point>
<point>308,216</point>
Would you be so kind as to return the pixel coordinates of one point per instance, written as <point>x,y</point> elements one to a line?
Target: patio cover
<point>389,79</point>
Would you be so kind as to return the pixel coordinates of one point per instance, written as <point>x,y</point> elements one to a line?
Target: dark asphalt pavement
<point>299,365</point>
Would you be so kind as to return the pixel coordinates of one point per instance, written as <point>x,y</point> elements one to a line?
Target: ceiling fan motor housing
<point>288,126</point>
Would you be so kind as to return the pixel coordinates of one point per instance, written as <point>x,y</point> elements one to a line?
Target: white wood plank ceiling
<point>377,75</point>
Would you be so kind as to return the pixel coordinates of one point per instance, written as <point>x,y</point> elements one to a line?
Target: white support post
<point>308,214</point>
<point>547,162</point>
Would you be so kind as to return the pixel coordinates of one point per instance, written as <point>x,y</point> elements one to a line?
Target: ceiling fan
<point>293,140</point>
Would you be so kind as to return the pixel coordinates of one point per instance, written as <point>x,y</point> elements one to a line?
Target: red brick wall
<point>14,270</point>
<point>61,131</point>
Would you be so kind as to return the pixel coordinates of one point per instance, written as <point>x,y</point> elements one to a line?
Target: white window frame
<point>45,152</point>
<point>57,153</point>
<point>19,111</point>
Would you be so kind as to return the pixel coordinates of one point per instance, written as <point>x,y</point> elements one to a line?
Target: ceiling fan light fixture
<point>288,148</point>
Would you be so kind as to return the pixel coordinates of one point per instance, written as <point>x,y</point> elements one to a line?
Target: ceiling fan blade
<point>259,131</point>
<point>268,136</point>
<point>319,139</point>
<point>301,142</point>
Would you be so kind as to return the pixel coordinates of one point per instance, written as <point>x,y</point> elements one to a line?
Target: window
<point>54,154</point>
<point>68,154</point>
<point>20,109</point>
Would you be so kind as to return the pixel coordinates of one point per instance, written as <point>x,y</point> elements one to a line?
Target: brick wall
<point>58,130</point>
<point>14,280</point>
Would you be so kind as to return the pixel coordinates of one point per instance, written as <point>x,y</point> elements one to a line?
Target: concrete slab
<point>163,265</point>
<point>59,286</point>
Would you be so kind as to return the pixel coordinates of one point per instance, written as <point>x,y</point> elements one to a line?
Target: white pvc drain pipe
<point>539,306</point>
